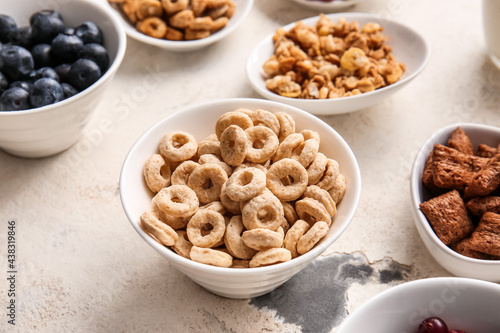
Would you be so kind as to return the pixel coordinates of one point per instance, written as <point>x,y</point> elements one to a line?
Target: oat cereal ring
<point>233,145</point>
<point>198,7</point>
<point>175,222</point>
<point>202,23</point>
<point>270,257</point>
<point>317,168</point>
<point>287,125</point>
<point>156,173</point>
<point>182,245</point>
<point>250,165</point>
<point>262,144</point>
<point>174,6</point>
<point>210,257</point>
<point>293,235</point>
<point>153,27</point>
<point>306,152</point>
<point>181,20</point>
<point>162,232</point>
<point>288,145</point>
<point>310,134</point>
<point>228,203</point>
<point>206,181</point>
<point>265,118</point>
<point>178,146</point>
<point>312,237</point>
<point>148,8</point>
<point>232,238</point>
<point>285,225</point>
<point>208,146</point>
<point>312,211</point>
<point>282,169</point>
<point>174,34</point>
<point>177,200</point>
<point>232,118</point>
<point>216,206</point>
<point>317,193</point>
<point>219,23</point>
<point>246,184</point>
<point>181,174</point>
<point>130,8</point>
<point>289,211</point>
<point>214,159</point>
<point>328,179</point>
<point>262,239</point>
<point>263,211</point>
<point>206,220</point>
<point>190,34</point>
<point>240,263</point>
<point>337,192</point>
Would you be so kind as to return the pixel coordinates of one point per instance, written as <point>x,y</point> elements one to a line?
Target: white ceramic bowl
<point>453,262</point>
<point>464,304</point>
<point>53,128</point>
<point>408,47</point>
<point>200,121</point>
<point>243,7</point>
<point>331,6</point>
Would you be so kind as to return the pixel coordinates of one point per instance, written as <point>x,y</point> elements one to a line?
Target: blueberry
<point>22,84</point>
<point>14,99</point>
<point>45,91</point>
<point>8,28</point>
<point>62,71</point>
<point>41,55</point>
<point>4,83</point>
<point>23,37</point>
<point>83,73</point>
<point>68,31</point>
<point>89,32</point>
<point>65,48</point>
<point>96,53</point>
<point>17,62</point>
<point>68,90</point>
<point>45,25</point>
<point>47,72</point>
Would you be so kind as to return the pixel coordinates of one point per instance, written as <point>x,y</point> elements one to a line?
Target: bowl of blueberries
<point>56,60</point>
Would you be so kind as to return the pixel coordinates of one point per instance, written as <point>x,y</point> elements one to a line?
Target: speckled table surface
<point>83,268</point>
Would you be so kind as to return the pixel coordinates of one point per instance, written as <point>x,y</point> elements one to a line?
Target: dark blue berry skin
<point>23,37</point>
<point>4,83</point>
<point>62,70</point>
<point>89,32</point>
<point>41,55</point>
<point>14,99</point>
<point>96,53</point>
<point>65,48</point>
<point>46,25</point>
<point>83,73</point>
<point>68,31</point>
<point>8,28</point>
<point>16,61</point>
<point>45,91</point>
<point>22,84</point>
<point>44,72</point>
<point>68,90</point>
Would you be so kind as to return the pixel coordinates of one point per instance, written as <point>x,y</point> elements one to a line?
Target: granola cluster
<point>467,216</point>
<point>330,60</point>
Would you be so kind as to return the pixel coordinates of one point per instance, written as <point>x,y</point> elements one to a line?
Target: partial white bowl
<point>243,7</point>
<point>452,261</point>
<point>409,47</point>
<point>54,128</point>
<point>464,304</point>
<point>200,121</point>
<point>331,6</point>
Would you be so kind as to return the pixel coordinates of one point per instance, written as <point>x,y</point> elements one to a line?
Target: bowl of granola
<point>337,63</point>
<point>454,188</point>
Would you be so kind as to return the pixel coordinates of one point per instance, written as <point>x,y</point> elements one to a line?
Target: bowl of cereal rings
<point>240,194</point>
<point>337,63</point>
<point>181,25</point>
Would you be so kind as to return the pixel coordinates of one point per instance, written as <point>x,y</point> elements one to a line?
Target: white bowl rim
<point>334,4</point>
<point>346,15</point>
<point>120,53</point>
<point>415,184</point>
<point>240,271</point>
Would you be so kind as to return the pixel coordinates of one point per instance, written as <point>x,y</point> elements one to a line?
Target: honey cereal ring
<point>208,146</point>
<point>317,168</point>
<point>182,245</point>
<point>282,169</point>
<point>310,134</point>
<point>240,263</point>
<point>233,145</point>
<point>177,200</point>
<point>175,222</point>
<point>214,159</point>
<point>312,211</point>
<point>174,6</point>
<point>232,238</point>
<point>228,203</point>
<point>202,23</point>
<point>328,179</point>
<point>293,235</point>
<point>153,27</point>
<point>181,174</point>
<point>156,173</point>
<point>265,118</point>
<point>270,257</point>
<point>306,152</point>
<point>162,232</point>
<point>210,257</point>
<point>182,19</point>
<point>232,118</point>
<point>288,145</point>
<point>219,23</point>
<point>317,193</point>
<point>287,125</point>
<point>130,9</point>
<point>197,227</point>
<point>263,211</point>
<point>198,7</point>
<point>262,144</point>
<point>148,8</point>
<point>312,237</point>
<point>190,34</point>
<point>174,34</point>
<point>285,225</point>
<point>178,146</point>
<point>262,239</point>
<point>216,206</point>
<point>289,211</point>
<point>250,165</point>
<point>246,184</point>
<point>206,181</point>
<point>337,192</point>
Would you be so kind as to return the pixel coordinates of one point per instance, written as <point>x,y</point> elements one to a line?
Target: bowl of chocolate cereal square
<point>240,194</point>
<point>456,200</point>
<point>337,63</point>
